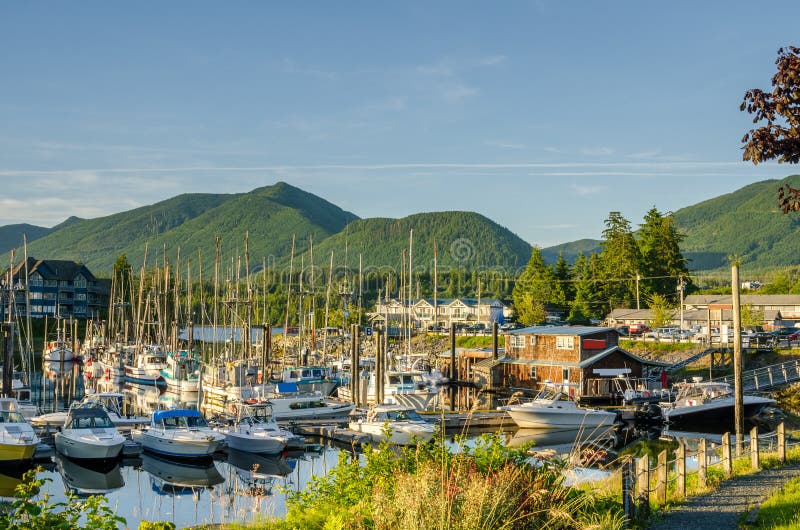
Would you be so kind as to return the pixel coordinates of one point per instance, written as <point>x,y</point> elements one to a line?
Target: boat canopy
<point>159,415</point>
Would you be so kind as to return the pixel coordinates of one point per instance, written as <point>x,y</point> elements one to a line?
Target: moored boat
<point>553,409</point>
<point>398,424</point>
<point>88,434</point>
<point>255,431</point>
<point>17,438</point>
<point>182,433</point>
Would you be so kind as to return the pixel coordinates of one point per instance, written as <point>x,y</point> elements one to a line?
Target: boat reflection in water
<point>84,478</point>
<point>11,477</point>
<point>256,474</point>
<point>581,448</point>
<point>169,477</point>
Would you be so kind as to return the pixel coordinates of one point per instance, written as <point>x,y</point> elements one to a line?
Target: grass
<point>782,510</point>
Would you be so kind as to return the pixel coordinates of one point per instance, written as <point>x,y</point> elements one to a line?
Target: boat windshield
<point>184,422</point>
<point>8,416</point>
<point>704,391</point>
<point>399,415</point>
<point>253,415</point>
<point>90,422</point>
<point>549,393</point>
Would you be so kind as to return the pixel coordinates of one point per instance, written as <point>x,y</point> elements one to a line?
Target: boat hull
<point>399,433</point>
<point>80,448</point>
<point>180,447</point>
<point>544,418</point>
<point>270,445</point>
<point>717,415</point>
<point>12,452</point>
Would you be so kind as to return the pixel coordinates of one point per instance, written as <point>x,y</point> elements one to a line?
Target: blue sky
<point>543,116</point>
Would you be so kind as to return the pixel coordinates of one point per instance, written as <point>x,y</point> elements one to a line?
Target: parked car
<point>638,329</point>
<point>510,326</point>
<point>662,332</point>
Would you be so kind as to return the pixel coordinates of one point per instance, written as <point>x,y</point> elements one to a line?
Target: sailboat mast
<point>288,305</point>
<point>410,292</point>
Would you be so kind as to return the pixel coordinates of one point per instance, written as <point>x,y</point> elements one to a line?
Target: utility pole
<point>681,289</point>
<point>638,277</point>
<point>737,358</point>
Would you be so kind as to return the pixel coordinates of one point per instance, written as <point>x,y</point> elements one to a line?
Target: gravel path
<point>720,509</point>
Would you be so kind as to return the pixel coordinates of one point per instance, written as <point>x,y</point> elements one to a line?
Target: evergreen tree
<point>621,262</point>
<point>563,274</point>
<point>586,303</point>
<point>662,261</point>
<point>535,288</point>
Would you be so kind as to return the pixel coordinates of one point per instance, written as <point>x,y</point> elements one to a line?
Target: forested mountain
<point>271,215</point>
<point>463,240</point>
<point>11,235</point>
<point>571,250</point>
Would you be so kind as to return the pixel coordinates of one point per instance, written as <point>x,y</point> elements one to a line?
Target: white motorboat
<point>88,434</point>
<point>553,409</point>
<point>146,366</point>
<point>182,433</point>
<point>17,439</point>
<point>110,402</point>
<point>255,430</point>
<point>398,424</point>
<point>289,404</point>
<point>708,404</point>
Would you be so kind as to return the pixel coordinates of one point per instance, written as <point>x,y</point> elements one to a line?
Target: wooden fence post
<point>661,489</point>
<point>754,463</point>
<point>643,485</point>
<point>628,491</point>
<point>781,442</point>
<point>680,472</point>
<point>727,461</point>
<point>702,462</point>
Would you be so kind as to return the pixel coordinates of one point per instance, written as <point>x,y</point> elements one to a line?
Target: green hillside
<point>571,250</point>
<point>746,223</point>
<point>463,240</point>
<point>11,235</point>
<point>191,221</point>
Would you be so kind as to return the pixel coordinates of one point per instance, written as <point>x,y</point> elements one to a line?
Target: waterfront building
<point>56,288</point>
<point>427,313</point>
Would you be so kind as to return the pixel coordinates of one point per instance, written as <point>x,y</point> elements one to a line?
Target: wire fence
<point>647,486</point>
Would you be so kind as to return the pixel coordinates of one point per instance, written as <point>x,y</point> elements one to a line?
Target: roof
<point>608,351</point>
<point>175,413</point>
<point>560,330</point>
<point>52,269</point>
<point>753,299</point>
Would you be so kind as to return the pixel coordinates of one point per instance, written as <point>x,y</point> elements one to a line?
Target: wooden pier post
<point>628,487</point>
<point>661,488</point>
<point>754,462</point>
<point>727,461</point>
<point>680,472</point>
<point>782,443</point>
<point>702,462</point>
<point>380,360</point>
<point>452,366</point>
<point>495,349</point>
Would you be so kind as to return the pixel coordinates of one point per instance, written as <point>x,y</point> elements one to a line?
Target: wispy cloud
<point>504,145</point>
<point>585,190</point>
<point>645,154</point>
<point>598,151</point>
<point>290,67</point>
<point>458,92</point>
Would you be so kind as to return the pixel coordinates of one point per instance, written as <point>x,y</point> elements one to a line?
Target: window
<point>565,343</point>
<point>80,282</point>
<point>565,373</point>
<point>36,280</point>
<point>533,372</point>
<point>533,340</point>
<point>517,341</point>
<point>80,296</point>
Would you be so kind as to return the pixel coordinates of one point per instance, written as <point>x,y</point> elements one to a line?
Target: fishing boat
<point>146,366</point>
<point>182,372</point>
<point>311,379</point>
<point>58,350</point>
<point>700,405</point>
<point>553,409</point>
<point>182,433</point>
<point>288,404</point>
<point>406,387</point>
<point>398,424</point>
<point>88,434</point>
<point>256,431</point>
<point>17,439</point>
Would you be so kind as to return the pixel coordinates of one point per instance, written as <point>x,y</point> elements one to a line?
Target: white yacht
<point>17,439</point>
<point>403,387</point>
<point>88,434</point>
<point>708,404</point>
<point>398,424</point>
<point>255,431</point>
<point>553,409</point>
<point>182,433</point>
<point>146,366</point>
